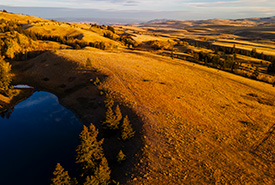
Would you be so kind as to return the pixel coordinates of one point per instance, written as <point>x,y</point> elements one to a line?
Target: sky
<point>143,10</point>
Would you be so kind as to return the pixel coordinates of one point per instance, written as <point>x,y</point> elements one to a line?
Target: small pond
<point>39,133</point>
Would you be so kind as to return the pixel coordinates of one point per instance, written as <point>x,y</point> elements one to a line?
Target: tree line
<point>233,51</point>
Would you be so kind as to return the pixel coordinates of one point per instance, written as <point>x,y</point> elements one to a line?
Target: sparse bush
<point>111,29</point>
<point>255,74</point>
<point>97,81</point>
<point>157,44</point>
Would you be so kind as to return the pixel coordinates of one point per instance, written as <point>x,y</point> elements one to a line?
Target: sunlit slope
<point>81,32</point>
<point>201,125</point>
<point>76,31</point>
<point>22,19</point>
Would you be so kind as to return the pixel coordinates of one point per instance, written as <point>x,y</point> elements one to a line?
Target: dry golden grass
<point>53,28</point>
<point>144,38</point>
<point>71,30</point>
<point>264,49</point>
<point>23,19</point>
<point>250,43</point>
<point>200,125</point>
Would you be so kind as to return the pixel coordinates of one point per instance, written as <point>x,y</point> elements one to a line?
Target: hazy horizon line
<point>64,14</point>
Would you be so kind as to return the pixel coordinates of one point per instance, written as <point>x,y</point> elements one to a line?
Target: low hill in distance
<point>199,94</point>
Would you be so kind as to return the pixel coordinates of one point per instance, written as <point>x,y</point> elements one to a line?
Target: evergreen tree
<point>121,156</point>
<point>61,177</point>
<point>90,157</point>
<point>110,120</point>
<point>118,115</point>
<point>109,102</point>
<point>5,78</point>
<point>127,130</point>
<point>102,172</point>
<point>91,180</point>
<point>89,152</point>
<point>88,62</point>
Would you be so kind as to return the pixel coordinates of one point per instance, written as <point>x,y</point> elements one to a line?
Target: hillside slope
<point>198,125</point>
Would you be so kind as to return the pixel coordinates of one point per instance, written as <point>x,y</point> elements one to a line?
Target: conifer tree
<point>118,115</point>
<point>110,120</point>
<point>88,62</point>
<point>127,130</point>
<point>61,177</point>
<point>91,180</point>
<point>89,152</point>
<point>5,79</point>
<point>121,156</point>
<point>102,172</point>
<point>90,157</point>
<point>109,102</point>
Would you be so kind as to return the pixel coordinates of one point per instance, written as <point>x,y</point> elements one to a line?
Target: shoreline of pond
<point>21,95</point>
<point>40,119</point>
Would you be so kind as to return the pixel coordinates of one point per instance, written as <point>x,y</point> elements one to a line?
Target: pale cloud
<point>150,9</point>
<point>30,103</point>
<point>235,3</point>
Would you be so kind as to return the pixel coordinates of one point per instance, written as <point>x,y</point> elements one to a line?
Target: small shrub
<point>255,74</point>
<point>88,62</point>
<point>121,156</point>
<point>97,81</point>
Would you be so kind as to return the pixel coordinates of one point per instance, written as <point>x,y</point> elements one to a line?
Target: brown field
<point>194,124</point>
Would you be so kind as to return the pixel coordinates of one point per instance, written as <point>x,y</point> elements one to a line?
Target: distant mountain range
<point>120,17</point>
<point>247,21</point>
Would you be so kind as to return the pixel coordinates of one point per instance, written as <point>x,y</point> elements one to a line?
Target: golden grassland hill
<point>215,37</point>
<point>81,32</point>
<point>22,34</point>
<point>22,19</point>
<point>200,125</point>
<point>194,124</point>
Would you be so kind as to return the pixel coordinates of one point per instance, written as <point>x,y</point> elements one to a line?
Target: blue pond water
<point>39,133</point>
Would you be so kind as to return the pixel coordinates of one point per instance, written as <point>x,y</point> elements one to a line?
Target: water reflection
<point>39,133</point>
<point>22,87</point>
<point>7,113</point>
